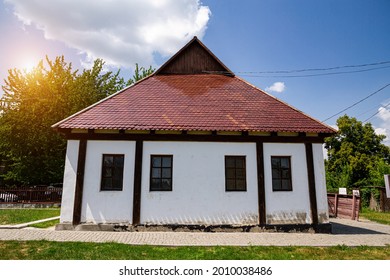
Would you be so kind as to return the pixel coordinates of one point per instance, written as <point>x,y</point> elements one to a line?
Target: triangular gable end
<point>194,58</point>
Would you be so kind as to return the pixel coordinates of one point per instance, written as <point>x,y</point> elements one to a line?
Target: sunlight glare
<point>28,65</point>
<point>26,61</point>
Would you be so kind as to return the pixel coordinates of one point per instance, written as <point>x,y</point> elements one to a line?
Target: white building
<point>193,144</point>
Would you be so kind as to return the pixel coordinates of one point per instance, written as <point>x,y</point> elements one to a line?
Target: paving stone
<point>345,232</point>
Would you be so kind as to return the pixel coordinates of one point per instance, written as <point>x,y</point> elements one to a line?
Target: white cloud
<point>384,127</point>
<point>121,32</point>
<point>384,114</point>
<point>277,87</point>
<point>384,131</point>
<point>380,131</point>
<point>324,150</point>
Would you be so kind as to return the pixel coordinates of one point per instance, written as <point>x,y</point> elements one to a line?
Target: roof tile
<point>194,102</point>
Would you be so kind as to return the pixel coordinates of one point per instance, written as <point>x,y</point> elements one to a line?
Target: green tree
<point>355,155</point>
<point>140,73</point>
<point>33,101</point>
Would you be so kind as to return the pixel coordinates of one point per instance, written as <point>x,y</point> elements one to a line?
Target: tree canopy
<point>356,155</point>
<point>35,100</point>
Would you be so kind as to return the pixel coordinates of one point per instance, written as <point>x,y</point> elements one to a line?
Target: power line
<point>361,100</point>
<point>384,107</point>
<point>367,111</point>
<point>315,75</point>
<point>279,73</point>
<point>316,69</point>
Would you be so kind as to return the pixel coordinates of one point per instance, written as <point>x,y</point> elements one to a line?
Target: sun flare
<point>28,65</point>
<point>26,61</point>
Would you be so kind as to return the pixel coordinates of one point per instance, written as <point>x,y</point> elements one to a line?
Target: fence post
<point>353,207</point>
<point>358,207</point>
<point>336,204</point>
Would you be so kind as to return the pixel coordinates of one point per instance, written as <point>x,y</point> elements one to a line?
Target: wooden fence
<point>30,195</point>
<point>381,203</point>
<point>344,206</point>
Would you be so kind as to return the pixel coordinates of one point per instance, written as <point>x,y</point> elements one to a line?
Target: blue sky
<point>248,36</point>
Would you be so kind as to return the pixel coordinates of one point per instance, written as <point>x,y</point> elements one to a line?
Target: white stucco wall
<point>107,206</point>
<point>320,179</point>
<point>198,195</point>
<point>287,207</point>
<point>67,203</point>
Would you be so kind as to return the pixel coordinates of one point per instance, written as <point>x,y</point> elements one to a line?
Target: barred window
<point>112,173</point>
<point>161,172</point>
<point>235,173</point>
<point>281,173</point>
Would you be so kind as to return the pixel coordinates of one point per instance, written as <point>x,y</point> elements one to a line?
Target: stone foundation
<point>322,228</point>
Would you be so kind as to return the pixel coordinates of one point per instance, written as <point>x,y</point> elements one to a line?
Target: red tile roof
<point>194,102</point>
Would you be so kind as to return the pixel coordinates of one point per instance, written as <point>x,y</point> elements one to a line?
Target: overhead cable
<point>317,69</point>
<point>279,73</point>
<point>314,75</point>
<point>361,100</point>
<point>380,109</point>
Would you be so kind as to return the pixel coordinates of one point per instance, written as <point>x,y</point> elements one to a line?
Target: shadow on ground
<point>338,228</point>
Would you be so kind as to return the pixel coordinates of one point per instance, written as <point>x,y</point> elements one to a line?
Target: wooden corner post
<point>78,196</point>
<point>312,182</point>
<point>260,182</point>
<point>137,182</point>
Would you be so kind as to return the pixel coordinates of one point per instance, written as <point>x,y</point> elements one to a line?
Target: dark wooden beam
<point>260,182</point>
<point>312,183</point>
<point>78,196</point>
<point>137,182</point>
<point>196,138</point>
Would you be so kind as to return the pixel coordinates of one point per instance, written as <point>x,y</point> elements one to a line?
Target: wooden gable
<point>194,58</point>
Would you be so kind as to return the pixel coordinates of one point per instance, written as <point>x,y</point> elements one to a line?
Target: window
<point>235,173</point>
<point>281,173</point>
<point>161,173</point>
<point>112,173</point>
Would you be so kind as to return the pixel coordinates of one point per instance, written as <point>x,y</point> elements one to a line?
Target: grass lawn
<point>46,224</point>
<point>379,217</point>
<point>20,216</point>
<point>48,250</point>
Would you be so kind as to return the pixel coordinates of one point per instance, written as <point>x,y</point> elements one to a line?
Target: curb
<point>20,226</point>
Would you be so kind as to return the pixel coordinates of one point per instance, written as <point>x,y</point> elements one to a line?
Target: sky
<point>270,43</point>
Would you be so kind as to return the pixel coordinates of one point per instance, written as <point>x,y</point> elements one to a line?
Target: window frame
<point>102,177</point>
<point>227,186</point>
<point>151,189</point>
<point>281,178</point>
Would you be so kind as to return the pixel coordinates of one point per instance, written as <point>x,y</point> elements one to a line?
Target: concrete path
<point>345,232</point>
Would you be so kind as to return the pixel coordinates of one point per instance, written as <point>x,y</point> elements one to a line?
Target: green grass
<point>20,216</point>
<point>46,224</point>
<point>379,217</point>
<point>48,250</point>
